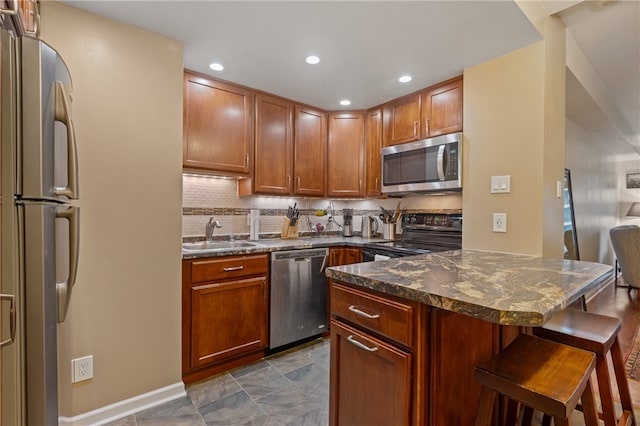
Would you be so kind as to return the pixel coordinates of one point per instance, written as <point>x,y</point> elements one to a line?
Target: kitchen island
<point>406,333</point>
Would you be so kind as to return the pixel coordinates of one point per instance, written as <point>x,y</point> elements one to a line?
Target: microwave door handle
<point>65,288</point>
<point>63,115</point>
<point>440,159</point>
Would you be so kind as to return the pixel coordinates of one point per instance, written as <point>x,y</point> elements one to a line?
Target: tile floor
<point>289,388</point>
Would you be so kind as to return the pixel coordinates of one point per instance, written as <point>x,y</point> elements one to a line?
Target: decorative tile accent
<point>205,196</point>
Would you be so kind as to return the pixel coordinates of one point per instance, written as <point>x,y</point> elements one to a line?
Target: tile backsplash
<point>205,196</point>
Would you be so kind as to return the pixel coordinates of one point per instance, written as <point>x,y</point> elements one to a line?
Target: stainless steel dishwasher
<point>298,295</point>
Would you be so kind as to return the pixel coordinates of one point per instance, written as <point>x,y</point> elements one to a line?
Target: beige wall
<point>593,183</point>
<point>503,129</point>
<point>514,109</point>
<point>125,309</point>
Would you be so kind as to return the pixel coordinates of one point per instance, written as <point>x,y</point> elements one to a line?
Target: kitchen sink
<point>216,245</point>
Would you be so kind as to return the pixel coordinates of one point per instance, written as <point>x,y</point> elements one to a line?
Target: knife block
<point>289,232</point>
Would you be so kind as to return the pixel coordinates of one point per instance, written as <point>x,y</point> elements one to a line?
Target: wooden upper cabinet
<point>345,155</point>
<point>310,151</point>
<point>373,146</point>
<point>442,109</point>
<point>217,126</point>
<point>401,120</point>
<point>273,150</point>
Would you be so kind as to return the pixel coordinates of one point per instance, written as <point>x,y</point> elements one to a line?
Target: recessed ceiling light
<point>404,79</point>
<point>345,102</point>
<point>313,59</point>
<point>216,66</point>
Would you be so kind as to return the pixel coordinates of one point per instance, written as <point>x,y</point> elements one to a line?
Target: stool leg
<point>560,421</point>
<point>621,380</point>
<point>604,387</point>
<point>485,406</point>
<point>527,416</point>
<point>512,412</point>
<point>589,406</point>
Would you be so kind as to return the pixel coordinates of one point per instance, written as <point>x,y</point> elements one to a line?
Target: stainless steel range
<point>421,233</point>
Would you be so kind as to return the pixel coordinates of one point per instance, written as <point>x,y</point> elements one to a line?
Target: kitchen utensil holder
<point>289,232</point>
<point>389,231</point>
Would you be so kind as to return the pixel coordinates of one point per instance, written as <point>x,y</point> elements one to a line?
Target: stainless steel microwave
<point>428,165</point>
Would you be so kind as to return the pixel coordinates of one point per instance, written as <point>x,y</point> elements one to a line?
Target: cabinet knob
<point>415,129</point>
<point>426,126</point>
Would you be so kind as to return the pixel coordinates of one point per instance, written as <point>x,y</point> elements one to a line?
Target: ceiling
<point>364,46</point>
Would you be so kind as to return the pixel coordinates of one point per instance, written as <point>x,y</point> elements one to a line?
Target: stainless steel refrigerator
<point>39,225</point>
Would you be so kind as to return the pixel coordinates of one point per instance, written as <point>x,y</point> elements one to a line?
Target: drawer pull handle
<point>233,268</point>
<point>357,311</point>
<point>361,345</point>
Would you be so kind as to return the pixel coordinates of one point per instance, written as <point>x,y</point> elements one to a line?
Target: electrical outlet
<point>81,369</point>
<point>499,222</point>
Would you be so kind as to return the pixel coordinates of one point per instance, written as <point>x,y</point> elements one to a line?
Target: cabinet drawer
<point>228,267</point>
<point>383,316</point>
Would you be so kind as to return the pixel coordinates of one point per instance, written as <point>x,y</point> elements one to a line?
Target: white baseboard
<point>126,407</point>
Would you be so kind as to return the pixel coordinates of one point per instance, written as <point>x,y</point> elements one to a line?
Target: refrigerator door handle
<point>63,115</point>
<point>65,288</point>
<point>12,319</point>
<point>12,11</point>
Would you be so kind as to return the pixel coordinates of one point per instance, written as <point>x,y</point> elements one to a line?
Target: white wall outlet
<point>501,184</point>
<point>81,369</point>
<point>499,222</point>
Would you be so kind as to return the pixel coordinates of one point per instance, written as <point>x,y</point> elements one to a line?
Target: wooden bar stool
<point>598,334</point>
<point>540,374</point>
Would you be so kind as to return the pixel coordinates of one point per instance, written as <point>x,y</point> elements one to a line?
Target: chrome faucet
<point>210,227</point>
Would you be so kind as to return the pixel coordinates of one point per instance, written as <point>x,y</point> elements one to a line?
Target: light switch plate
<point>500,184</point>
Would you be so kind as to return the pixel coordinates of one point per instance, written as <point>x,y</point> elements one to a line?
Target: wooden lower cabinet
<point>431,352</point>
<point>344,255</point>
<point>225,304</point>
<point>459,343</point>
<point>373,380</point>
<point>225,320</point>
<point>377,374</point>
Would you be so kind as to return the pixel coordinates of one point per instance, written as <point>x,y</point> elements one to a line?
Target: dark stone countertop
<point>510,289</point>
<point>277,244</point>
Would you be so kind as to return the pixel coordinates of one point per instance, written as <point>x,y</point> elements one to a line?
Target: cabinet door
<point>370,380</point>
<point>458,343</point>
<point>310,151</point>
<point>217,126</point>
<point>401,120</point>
<point>273,151</point>
<point>344,255</point>
<point>228,319</point>
<point>442,109</point>
<point>345,155</point>
<point>352,255</point>
<point>373,143</point>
